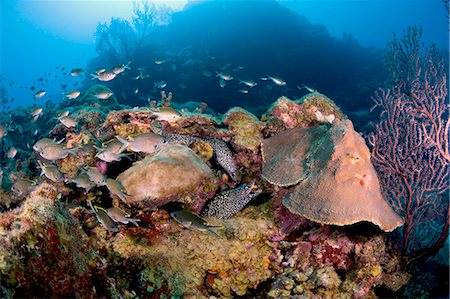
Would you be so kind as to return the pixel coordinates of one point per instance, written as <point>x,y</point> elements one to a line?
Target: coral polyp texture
<point>194,207</point>
<point>173,172</point>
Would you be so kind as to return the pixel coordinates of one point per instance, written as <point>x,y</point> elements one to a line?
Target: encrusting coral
<point>186,261</point>
<point>43,250</point>
<point>245,127</point>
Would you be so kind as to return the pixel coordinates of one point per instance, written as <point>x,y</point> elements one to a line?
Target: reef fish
<point>83,181</point>
<point>3,130</point>
<point>144,143</point>
<point>191,220</point>
<point>12,152</point>
<point>167,114</point>
<point>116,188</point>
<point>23,187</point>
<point>110,152</point>
<point>103,94</point>
<point>56,151</point>
<point>73,94</point>
<point>68,121</point>
<point>160,84</point>
<point>277,80</point>
<point>249,83</point>
<point>104,76</point>
<point>121,68</point>
<point>120,216</point>
<point>95,176</point>
<point>227,203</point>
<point>76,72</point>
<point>36,113</point>
<point>44,142</point>
<point>224,76</point>
<point>51,172</point>
<point>224,156</point>
<point>106,221</point>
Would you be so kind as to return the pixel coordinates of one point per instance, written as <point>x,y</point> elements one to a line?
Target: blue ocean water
<point>330,45</point>
<point>222,53</point>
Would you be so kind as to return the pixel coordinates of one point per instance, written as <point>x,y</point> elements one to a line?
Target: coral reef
<point>317,107</point>
<point>61,240</point>
<point>312,263</point>
<point>284,112</point>
<point>245,129</point>
<point>43,251</point>
<point>336,183</point>
<point>199,263</point>
<point>171,174</point>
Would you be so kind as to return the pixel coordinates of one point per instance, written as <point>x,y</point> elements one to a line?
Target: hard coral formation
<point>316,105</point>
<point>288,112</point>
<point>195,125</point>
<point>311,109</point>
<point>313,261</point>
<point>286,156</point>
<point>313,171</point>
<point>245,129</point>
<point>127,122</point>
<point>43,251</point>
<point>203,149</point>
<point>341,186</point>
<point>198,263</point>
<point>171,173</point>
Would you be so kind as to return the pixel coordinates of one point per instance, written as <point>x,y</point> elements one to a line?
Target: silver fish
<point>121,68</point>
<point>249,83</point>
<point>73,94</point>
<point>120,216</point>
<point>51,172</point>
<point>167,114</point>
<point>103,94</point>
<point>56,151</point>
<point>144,143</point>
<point>224,76</point>
<point>193,221</point>
<point>68,121</point>
<point>83,181</point>
<point>12,152</point>
<point>44,142</point>
<point>106,221</point>
<point>95,175</point>
<point>76,72</point>
<point>227,203</point>
<point>23,187</point>
<point>105,76</point>
<point>116,188</point>
<point>277,80</point>
<point>40,94</point>
<point>160,84</point>
<point>3,131</point>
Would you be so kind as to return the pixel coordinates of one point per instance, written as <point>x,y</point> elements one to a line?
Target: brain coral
<point>173,171</point>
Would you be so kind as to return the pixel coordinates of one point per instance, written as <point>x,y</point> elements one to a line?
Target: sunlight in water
<point>76,20</point>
